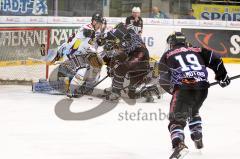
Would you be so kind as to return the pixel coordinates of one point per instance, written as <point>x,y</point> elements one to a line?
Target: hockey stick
<point>231,78</point>
<point>100,81</point>
<point>38,60</point>
<point>42,61</point>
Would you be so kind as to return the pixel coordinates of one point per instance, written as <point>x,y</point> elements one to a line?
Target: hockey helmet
<point>177,38</point>
<point>97,17</point>
<point>118,35</point>
<point>119,32</point>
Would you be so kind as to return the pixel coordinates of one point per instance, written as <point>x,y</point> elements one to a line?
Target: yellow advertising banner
<point>216,12</point>
<point>20,63</point>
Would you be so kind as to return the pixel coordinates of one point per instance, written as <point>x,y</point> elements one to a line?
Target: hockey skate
<point>80,91</point>
<point>86,89</point>
<point>107,91</point>
<point>74,93</point>
<point>198,144</point>
<point>148,91</point>
<point>180,151</point>
<point>113,95</point>
<point>197,139</point>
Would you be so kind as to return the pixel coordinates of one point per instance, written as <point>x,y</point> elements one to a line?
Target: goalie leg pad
<point>66,69</point>
<point>92,75</point>
<point>52,87</point>
<point>77,81</point>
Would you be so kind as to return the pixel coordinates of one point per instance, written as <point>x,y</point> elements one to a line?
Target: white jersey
<point>80,44</point>
<point>76,52</point>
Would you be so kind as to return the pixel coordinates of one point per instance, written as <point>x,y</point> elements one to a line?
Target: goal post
<point>20,55</point>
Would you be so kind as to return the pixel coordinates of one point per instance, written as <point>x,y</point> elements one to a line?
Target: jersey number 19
<point>192,60</point>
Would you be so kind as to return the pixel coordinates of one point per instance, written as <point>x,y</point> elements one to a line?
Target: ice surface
<point>30,128</point>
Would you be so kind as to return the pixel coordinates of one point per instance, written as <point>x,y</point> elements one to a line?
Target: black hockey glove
<point>109,71</point>
<point>101,41</point>
<point>225,81</point>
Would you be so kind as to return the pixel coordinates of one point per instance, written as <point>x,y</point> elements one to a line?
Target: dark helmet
<point>118,32</point>
<point>177,38</point>
<point>97,17</point>
<point>118,35</point>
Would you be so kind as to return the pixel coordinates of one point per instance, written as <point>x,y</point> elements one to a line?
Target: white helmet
<point>136,10</point>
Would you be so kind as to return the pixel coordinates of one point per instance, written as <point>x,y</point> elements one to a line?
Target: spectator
<point>135,21</point>
<point>156,13</point>
<point>189,15</point>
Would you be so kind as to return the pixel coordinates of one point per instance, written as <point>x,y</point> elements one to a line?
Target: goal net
<point>20,55</point>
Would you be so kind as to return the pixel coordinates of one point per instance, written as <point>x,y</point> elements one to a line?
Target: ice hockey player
<point>131,58</point>
<point>185,70</point>
<point>81,51</point>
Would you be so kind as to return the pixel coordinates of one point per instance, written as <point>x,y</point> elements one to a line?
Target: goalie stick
<point>43,61</point>
<point>34,59</point>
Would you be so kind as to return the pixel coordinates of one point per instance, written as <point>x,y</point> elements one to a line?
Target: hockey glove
<point>225,81</point>
<point>109,71</point>
<point>94,60</point>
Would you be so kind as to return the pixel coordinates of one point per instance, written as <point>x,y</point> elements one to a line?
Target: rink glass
<point>173,9</point>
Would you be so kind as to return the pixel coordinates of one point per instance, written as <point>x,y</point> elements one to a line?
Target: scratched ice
<point>30,128</point>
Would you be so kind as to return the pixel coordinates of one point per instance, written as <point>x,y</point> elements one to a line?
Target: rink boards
<point>220,36</point>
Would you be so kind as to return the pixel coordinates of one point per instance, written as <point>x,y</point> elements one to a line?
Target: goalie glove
<point>225,81</point>
<point>94,60</point>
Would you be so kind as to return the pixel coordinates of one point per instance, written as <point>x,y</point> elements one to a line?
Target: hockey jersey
<point>186,67</point>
